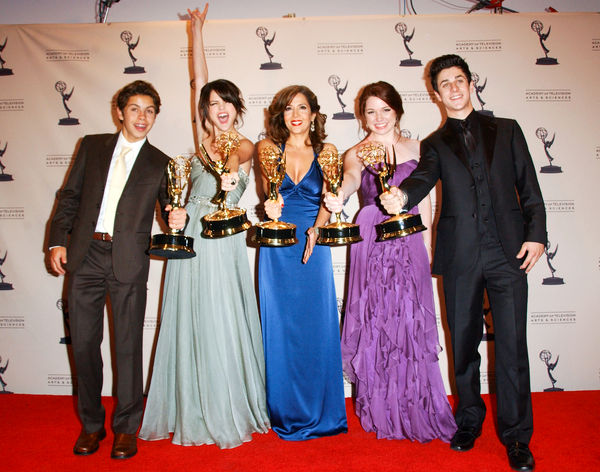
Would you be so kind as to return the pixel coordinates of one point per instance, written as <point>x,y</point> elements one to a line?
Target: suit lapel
<point>452,140</point>
<point>488,134</point>
<point>139,167</point>
<point>105,156</point>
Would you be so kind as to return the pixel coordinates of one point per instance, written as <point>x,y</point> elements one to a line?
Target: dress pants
<point>507,293</point>
<point>87,290</point>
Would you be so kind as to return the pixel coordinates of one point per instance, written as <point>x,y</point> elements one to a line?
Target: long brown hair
<point>276,129</point>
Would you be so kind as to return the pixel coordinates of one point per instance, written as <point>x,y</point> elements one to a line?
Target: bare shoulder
<point>329,147</point>
<point>408,149</point>
<point>265,143</point>
<point>246,147</point>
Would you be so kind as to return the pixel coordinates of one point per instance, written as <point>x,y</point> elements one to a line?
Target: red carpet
<point>37,433</point>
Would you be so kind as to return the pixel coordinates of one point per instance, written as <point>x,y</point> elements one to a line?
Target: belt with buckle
<point>102,237</point>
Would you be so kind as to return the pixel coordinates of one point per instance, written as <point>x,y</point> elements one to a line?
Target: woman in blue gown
<point>305,392</point>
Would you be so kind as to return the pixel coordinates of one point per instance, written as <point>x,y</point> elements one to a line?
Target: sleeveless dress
<point>301,334</point>
<point>390,339</point>
<point>208,381</point>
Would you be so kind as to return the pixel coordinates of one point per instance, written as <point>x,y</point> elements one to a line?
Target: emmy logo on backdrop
<point>375,158</point>
<point>335,81</point>
<point>542,134</point>
<point>262,33</point>
<point>538,26</point>
<point>225,221</point>
<point>401,29</point>
<point>552,280</point>
<point>126,37</point>
<point>274,233</point>
<point>478,90</point>
<point>4,285</point>
<point>405,133</point>
<point>340,232</point>
<point>61,304</point>
<point>4,177</point>
<point>2,371</point>
<point>4,70</point>
<point>60,87</point>
<point>174,244</point>
<point>545,357</point>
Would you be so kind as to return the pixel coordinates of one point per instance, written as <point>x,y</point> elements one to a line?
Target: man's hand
<point>58,258</point>
<point>533,251</point>
<point>177,217</point>
<point>393,201</point>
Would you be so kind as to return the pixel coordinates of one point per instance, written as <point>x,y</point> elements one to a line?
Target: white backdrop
<point>35,150</point>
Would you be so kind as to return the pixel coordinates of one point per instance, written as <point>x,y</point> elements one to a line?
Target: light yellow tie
<point>117,182</point>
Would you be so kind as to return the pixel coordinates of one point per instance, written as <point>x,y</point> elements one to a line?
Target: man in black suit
<point>100,234</point>
<point>491,232</point>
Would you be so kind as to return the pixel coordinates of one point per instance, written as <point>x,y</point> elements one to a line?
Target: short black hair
<point>139,87</point>
<point>445,62</point>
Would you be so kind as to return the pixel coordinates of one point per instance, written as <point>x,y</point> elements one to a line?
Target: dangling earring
<point>312,126</point>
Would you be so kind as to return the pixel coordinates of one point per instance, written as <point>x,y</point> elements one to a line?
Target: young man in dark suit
<point>491,232</point>
<point>100,235</point>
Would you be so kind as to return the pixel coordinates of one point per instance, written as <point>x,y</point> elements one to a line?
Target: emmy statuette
<point>174,244</point>
<point>225,221</point>
<point>374,157</point>
<point>274,233</point>
<point>340,232</point>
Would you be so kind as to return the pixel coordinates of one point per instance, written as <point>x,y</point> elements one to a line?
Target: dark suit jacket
<point>80,199</point>
<point>517,202</point>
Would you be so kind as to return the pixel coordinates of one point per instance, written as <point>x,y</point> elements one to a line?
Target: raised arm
<point>199,62</point>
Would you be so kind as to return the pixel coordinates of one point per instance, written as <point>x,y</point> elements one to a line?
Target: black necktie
<point>465,126</point>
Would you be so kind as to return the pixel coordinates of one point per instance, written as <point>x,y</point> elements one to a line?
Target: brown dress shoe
<point>124,446</point>
<point>88,443</point>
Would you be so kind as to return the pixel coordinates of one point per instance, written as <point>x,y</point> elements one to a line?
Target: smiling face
<point>380,118</point>
<point>454,91</point>
<point>221,114</point>
<point>297,115</point>
<point>138,117</point>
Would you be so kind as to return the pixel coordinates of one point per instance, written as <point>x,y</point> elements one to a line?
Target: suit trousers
<point>506,287</point>
<point>87,289</point>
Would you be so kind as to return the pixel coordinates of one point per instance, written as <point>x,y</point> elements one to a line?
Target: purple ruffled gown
<point>390,340</point>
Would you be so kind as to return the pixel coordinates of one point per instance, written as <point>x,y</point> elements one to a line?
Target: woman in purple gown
<point>390,341</point>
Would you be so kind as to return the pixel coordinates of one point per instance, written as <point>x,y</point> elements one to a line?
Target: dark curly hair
<point>445,62</point>
<point>385,92</point>
<point>276,129</point>
<point>139,87</point>
<point>225,89</point>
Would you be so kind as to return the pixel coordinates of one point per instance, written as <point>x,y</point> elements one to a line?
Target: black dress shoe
<point>464,439</point>
<point>519,456</point>
<point>124,446</point>
<point>88,443</point>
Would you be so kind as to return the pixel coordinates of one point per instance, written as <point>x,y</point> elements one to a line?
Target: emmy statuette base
<point>553,281</point>
<point>223,223</point>
<point>339,234</point>
<point>276,234</point>
<point>399,226</point>
<point>172,246</point>
<point>551,169</point>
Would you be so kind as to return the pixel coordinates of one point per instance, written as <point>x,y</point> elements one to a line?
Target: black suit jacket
<point>80,199</point>
<point>517,203</point>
